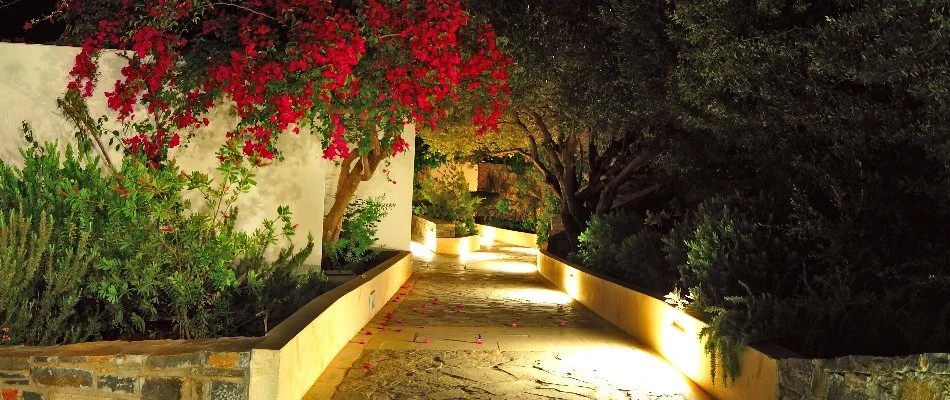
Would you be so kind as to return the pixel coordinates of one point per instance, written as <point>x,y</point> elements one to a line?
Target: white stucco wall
<point>32,77</point>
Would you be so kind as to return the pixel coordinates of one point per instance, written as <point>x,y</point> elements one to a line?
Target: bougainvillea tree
<point>355,73</point>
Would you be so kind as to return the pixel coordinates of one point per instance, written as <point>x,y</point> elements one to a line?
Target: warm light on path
<point>487,326</point>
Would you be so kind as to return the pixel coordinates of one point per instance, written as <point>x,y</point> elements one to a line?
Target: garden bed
<point>434,235</point>
<point>767,371</point>
<point>282,364</point>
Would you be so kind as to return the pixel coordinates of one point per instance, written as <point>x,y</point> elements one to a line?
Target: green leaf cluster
<point>445,196</point>
<point>141,262</point>
<point>358,236</point>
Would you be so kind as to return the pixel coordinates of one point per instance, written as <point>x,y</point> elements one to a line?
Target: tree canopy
<point>588,110</point>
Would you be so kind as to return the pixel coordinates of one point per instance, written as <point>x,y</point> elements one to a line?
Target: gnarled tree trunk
<point>355,169</point>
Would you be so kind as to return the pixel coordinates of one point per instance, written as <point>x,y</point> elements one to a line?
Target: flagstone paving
<point>487,326</point>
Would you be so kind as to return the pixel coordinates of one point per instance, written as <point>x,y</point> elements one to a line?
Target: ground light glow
<point>625,368</point>
<point>420,251</point>
<point>487,235</point>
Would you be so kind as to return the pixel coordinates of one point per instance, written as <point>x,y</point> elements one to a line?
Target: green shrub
<point>740,261</point>
<point>157,268</point>
<point>43,275</point>
<point>446,197</point>
<point>273,290</point>
<point>598,244</point>
<point>358,236</point>
<point>621,246</point>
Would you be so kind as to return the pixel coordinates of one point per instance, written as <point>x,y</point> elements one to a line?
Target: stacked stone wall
<point>220,375</point>
<point>918,377</point>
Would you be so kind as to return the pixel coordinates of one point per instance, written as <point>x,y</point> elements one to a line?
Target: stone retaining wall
<point>157,369</point>
<point>918,377</point>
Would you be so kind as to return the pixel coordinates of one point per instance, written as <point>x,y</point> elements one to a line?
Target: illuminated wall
<point>32,77</point>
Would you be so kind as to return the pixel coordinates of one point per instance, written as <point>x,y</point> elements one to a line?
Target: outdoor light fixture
<point>679,343</point>
<point>570,285</point>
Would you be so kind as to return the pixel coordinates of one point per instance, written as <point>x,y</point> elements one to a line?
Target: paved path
<point>489,327</point>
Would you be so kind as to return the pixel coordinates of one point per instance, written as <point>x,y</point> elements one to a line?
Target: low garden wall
<point>283,364</point>
<point>767,372</point>
<point>488,234</point>
<point>668,331</point>
<point>438,236</point>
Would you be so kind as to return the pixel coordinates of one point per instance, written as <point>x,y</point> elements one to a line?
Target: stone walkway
<point>489,327</point>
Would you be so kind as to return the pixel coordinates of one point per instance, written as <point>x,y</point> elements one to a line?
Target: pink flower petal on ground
<point>479,341</point>
<point>514,325</point>
<point>398,329</point>
<point>425,312</point>
<point>424,305</point>
<point>385,324</point>
<point>399,321</point>
<point>406,286</point>
<point>362,341</point>
<point>368,333</point>
<point>427,341</point>
<point>367,367</point>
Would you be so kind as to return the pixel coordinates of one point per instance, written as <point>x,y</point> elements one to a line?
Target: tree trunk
<point>571,227</point>
<point>347,184</point>
<point>354,169</point>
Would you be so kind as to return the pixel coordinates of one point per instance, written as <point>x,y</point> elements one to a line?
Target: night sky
<point>15,13</point>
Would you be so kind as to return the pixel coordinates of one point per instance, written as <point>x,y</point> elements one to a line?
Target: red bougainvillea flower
<point>290,61</point>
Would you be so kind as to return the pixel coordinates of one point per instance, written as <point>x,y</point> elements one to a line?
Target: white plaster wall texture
<point>32,77</point>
